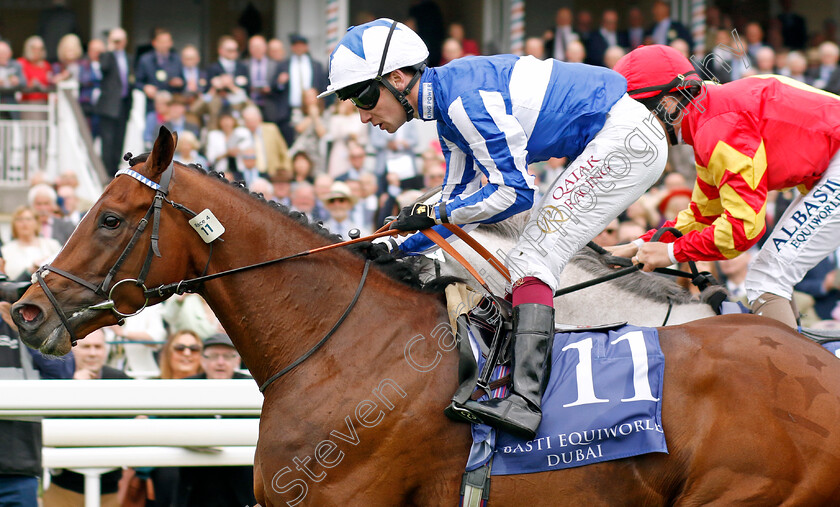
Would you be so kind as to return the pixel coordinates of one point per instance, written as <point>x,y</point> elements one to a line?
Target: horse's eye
<point>111,222</point>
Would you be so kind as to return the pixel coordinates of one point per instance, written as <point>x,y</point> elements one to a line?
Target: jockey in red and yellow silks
<point>750,136</point>
<point>757,134</point>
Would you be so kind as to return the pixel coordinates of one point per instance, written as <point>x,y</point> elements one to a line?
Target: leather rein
<point>164,291</point>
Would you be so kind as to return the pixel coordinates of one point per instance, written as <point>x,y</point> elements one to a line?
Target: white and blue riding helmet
<point>369,51</point>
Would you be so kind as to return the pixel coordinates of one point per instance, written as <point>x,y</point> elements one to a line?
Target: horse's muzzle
<point>28,317</point>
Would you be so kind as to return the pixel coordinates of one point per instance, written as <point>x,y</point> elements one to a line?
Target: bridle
<point>106,289</point>
<point>164,291</point>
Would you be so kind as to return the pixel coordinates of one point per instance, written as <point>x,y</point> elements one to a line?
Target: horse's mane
<point>406,271</point>
<point>650,286</point>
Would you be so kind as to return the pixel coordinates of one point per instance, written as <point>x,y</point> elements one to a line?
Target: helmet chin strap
<point>401,96</point>
<point>669,129</point>
<point>668,120</point>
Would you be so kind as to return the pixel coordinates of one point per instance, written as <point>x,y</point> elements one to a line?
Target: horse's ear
<point>162,153</point>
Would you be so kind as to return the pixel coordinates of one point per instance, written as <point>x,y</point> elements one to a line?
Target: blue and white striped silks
<point>496,115</point>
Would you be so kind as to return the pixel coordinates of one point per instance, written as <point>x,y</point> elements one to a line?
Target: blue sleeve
<point>418,243</point>
<point>494,142</point>
<point>461,176</point>
<point>53,367</point>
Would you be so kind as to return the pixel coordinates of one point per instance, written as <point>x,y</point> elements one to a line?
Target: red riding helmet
<point>654,70</point>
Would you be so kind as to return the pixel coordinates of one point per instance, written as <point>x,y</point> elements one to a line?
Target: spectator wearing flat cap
<point>211,486</point>
<point>219,359</point>
<point>339,202</point>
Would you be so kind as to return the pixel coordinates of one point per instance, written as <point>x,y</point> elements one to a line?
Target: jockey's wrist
<point>638,242</point>
<point>389,242</point>
<point>441,216</point>
<point>671,253</point>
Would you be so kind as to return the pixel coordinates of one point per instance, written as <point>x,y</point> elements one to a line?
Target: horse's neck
<point>277,313</point>
<point>376,388</point>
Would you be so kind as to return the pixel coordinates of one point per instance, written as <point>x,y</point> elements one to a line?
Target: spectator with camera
<point>228,63</point>
<point>222,97</point>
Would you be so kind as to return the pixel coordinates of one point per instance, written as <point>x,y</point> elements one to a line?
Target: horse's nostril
<point>29,312</point>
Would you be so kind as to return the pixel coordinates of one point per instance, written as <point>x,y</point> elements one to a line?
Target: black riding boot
<point>519,414</point>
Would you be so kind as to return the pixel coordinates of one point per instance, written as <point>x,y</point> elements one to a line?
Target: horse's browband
<point>139,177</point>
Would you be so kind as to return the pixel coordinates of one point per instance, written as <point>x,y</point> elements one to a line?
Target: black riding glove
<point>376,252</point>
<point>416,218</point>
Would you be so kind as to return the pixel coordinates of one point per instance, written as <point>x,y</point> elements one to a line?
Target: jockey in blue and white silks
<point>525,110</point>
<point>495,115</point>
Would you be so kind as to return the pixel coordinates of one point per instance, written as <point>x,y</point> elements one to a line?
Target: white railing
<point>26,145</point>
<point>92,446</point>
<point>57,141</point>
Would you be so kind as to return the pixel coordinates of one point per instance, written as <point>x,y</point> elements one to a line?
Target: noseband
<point>103,290</point>
<point>164,291</point>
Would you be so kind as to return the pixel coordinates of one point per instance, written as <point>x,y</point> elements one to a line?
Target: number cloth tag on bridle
<point>207,226</point>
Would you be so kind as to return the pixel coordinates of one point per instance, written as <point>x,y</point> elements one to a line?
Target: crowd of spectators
<point>253,115</point>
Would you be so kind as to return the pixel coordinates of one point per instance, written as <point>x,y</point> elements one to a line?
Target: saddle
<point>483,336</point>
<point>483,329</point>
<point>821,336</point>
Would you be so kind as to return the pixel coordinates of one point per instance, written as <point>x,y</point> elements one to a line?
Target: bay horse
<point>749,411</point>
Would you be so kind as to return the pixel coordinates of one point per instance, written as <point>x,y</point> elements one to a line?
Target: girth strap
<point>475,486</point>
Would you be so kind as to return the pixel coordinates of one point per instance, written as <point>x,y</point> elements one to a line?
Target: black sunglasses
<point>180,347</point>
<point>363,95</point>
